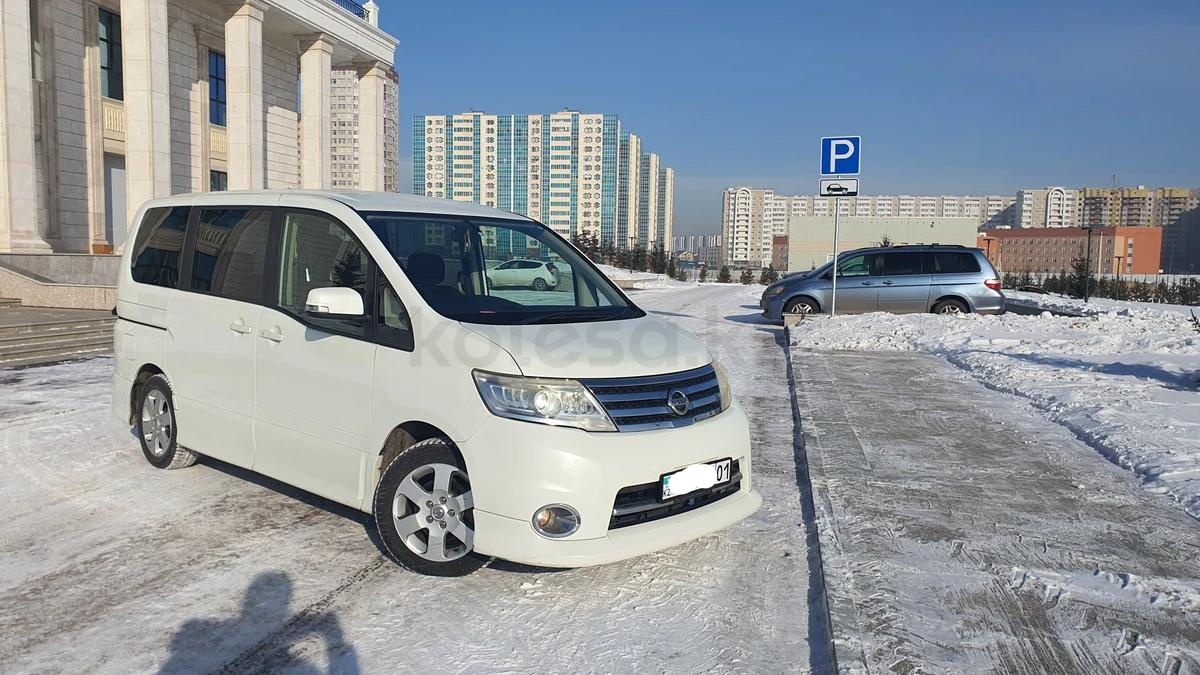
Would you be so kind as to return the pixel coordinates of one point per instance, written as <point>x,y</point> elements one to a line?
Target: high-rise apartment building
<point>344,120</point>
<point>576,172</point>
<point>1047,207</point>
<point>1117,207</point>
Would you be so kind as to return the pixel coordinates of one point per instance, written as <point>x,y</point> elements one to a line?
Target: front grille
<point>640,403</point>
<point>639,504</point>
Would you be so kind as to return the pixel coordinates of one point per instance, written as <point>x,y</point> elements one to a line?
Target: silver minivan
<point>939,278</point>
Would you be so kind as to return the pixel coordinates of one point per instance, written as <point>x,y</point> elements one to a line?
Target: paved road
<point>961,531</point>
<point>107,565</point>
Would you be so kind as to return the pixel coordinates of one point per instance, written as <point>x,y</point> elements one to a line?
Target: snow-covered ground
<point>1051,301</point>
<point>109,565</point>
<point>1125,380</point>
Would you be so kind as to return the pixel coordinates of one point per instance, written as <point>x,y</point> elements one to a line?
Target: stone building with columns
<point>107,103</point>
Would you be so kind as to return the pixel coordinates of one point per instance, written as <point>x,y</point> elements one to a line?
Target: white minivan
<point>350,344</point>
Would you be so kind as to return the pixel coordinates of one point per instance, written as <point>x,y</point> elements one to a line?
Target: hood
<point>630,348</point>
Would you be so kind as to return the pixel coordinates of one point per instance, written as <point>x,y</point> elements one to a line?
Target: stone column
<point>244,89</point>
<point>18,188</point>
<point>316,53</point>
<point>147,75</point>
<point>371,78</point>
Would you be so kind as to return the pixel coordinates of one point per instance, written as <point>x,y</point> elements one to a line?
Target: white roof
<point>359,201</point>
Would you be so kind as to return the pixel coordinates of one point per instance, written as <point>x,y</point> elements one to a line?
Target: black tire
<point>157,429</point>
<point>801,305</point>
<point>401,547</point>
<point>539,284</point>
<point>951,306</point>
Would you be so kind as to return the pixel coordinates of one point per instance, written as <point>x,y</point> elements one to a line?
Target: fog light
<point>556,521</point>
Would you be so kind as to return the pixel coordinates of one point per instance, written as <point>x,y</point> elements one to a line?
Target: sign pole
<point>837,210</point>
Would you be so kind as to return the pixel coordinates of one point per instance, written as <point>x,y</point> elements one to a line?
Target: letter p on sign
<point>840,155</point>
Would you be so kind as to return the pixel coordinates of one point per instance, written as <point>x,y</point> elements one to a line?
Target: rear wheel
<point>157,429</point>
<point>800,306</point>
<point>425,513</point>
<point>539,284</point>
<point>951,306</point>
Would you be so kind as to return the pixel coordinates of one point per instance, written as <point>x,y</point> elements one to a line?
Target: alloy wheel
<point>432,512</point>
<point>158,423</point>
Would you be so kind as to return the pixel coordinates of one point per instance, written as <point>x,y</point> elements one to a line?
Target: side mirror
<point>827,276</point>
<point>333,303</point>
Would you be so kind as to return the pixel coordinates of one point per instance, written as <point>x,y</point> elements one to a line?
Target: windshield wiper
<point>566,316</point>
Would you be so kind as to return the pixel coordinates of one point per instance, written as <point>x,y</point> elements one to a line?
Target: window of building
<point>111,84</point>
<point>216,88</point>
<point>229,259</point>
<point>218,181</point>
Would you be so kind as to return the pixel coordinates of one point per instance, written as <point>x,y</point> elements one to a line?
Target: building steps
<point>9,302</point>
<point>50,341</point>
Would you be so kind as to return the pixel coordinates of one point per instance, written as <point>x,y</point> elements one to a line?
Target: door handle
<point>866,283</point>
<point>240,326</point>
<point>886,283</point>
<point>274,334</point>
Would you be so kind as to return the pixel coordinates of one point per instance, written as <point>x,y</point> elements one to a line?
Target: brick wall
<point>281,138</point>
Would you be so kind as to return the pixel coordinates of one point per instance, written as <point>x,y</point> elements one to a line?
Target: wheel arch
<point>400,439</point>
<point>951,296</point>
<point>801,296</point>
<point>144,373</point>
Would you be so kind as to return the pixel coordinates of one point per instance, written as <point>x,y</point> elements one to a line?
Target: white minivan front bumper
<point>518,467</point>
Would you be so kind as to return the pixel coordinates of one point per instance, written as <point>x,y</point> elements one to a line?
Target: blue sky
<point>950,97</point>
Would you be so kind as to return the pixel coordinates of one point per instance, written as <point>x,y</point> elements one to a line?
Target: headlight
<point>723,383</point>
<point>559,402</point>
<point>772,292</point>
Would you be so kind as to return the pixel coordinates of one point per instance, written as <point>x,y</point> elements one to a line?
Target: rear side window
<point>898,264</point>
<point>156,253</point>
<point>954,262</point>
<point>231,253</point>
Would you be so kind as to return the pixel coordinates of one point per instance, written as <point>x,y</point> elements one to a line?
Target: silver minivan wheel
<point>950,307</point>
<point>799,306</point>
<point>430,512</point>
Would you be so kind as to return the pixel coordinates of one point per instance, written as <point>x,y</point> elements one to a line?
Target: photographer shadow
<point>202,645</point>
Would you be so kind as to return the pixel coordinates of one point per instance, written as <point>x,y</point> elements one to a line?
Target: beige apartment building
<point>1047,207</point>
<point>344,116</point>
<point>751,217</point>
<point>108,103</point>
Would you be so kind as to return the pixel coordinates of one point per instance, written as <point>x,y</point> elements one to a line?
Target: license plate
<point>696,477</point>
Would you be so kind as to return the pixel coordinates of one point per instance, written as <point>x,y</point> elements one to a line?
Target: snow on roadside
<point>1125,382</point>
<point>1095,305</point>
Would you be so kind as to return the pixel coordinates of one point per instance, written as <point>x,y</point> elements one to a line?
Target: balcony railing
<point>352,7</point>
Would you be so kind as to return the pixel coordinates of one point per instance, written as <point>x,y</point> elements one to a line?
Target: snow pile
<point>1095,305</point>
<point>1124,381</point>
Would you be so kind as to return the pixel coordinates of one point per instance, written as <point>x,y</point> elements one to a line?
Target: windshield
<point>498,271</point>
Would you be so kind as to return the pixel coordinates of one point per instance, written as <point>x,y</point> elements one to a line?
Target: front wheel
<point>800,306</point>
<point>425,513</point>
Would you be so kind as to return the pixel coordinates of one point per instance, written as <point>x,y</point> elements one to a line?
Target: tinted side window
<point>231,253</point>
<point>895,264</point>
<point>856,266</point>
<point>319,252</point>
<point>155,259</point>
<point>952,262</point>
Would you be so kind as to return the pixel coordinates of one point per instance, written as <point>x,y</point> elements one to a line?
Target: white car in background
<point>535,274</point>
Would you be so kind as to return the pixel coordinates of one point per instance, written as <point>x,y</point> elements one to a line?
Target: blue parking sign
<point>840,155</point>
